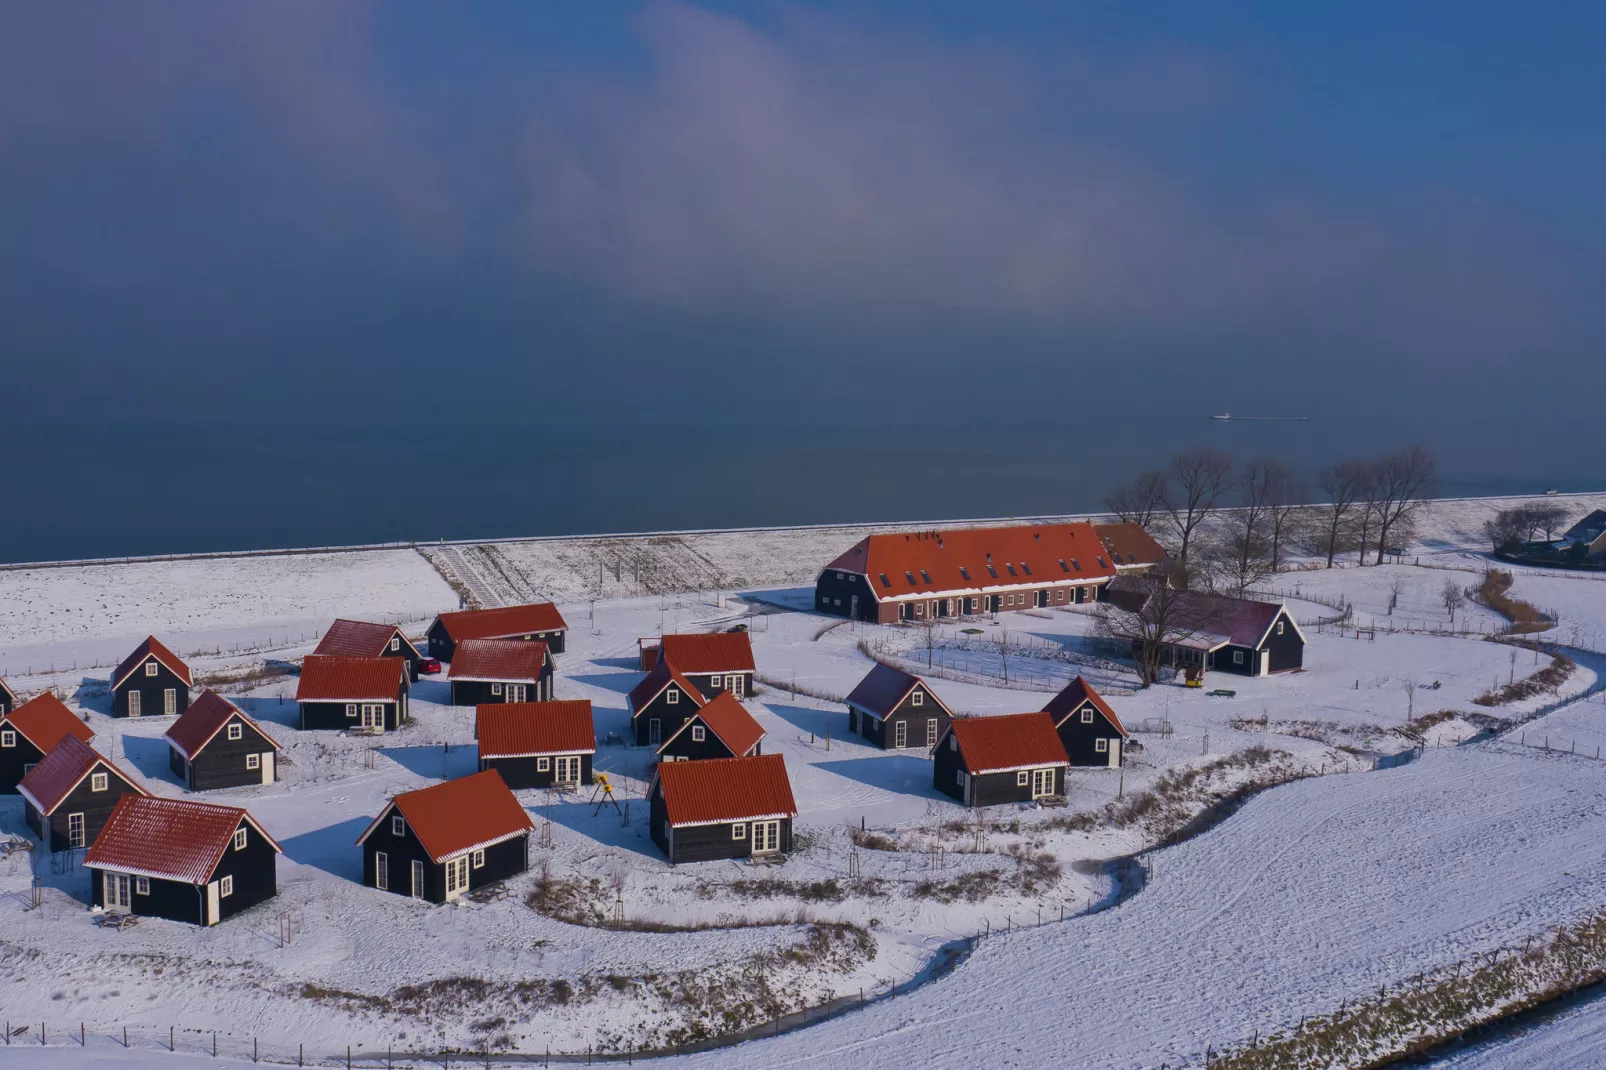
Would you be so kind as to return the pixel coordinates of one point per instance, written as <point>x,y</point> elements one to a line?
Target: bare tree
<point>1405,479</point>
<point>1240,553</point>
<point>1199,478</point>
<point>1149,616</point>
<point>1345,485</point>
<point>1454,598</point>
<point>928,630</point>
<point>1138,501</point>
<point>1371,504</point>
<point>1285,505</point>
<point>1003,653</point>
<point>1520,523</point>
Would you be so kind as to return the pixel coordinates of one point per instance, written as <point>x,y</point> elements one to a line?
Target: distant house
<point>360,639</point>
<point>937,574</point>
<point>720,729</point>
<point>151,682</point>
<point>719,661</point>
<point>352,694</point>
<point>443,841</point>
<point>8,697</point>
<point>215,745</point>
<point>540,622</point>
<point>1587,538</point>
<point>30,731</point>
<point>1088,729</point>
<point>537,744</point>
<point>661,703</point>
<point>1217,632</point>
<point>1014,758</point>
<point>722,808</point>
<point>71,792</point>
<point>895,709</point>
<point>182,860</point>
<point>1131,548</point>
<point>500,670</point>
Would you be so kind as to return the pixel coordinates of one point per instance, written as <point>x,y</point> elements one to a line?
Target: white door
<point>566,770</point>
<point>1115,754</point>
<point>133,703</point>
<point>655,731</point>
<point>267,767</point>
<point>117,892</point>
<point>513,693</point>
<point>766,837</point>
<point>734,684</point>
<point>418,879</point>
<point>211,903</point>
<point>456,877</point>
<point>931,733</point>
<point>1042,783</point>
<point>373,717</point>
<point>1265,662</point>
<point>170,701</point>
<point>900,734</point>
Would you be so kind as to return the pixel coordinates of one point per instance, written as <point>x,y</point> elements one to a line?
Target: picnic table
<point>15,845</point>
<point>117,919</point>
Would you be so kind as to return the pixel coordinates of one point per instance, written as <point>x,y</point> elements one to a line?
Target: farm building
<point>352,694</point>
<point>151,682</point>
<point>443,841</point>
<point>1088,728</point>
<point>540,622</point>
<point>1014,758</point>
<point>938,574</point>
<point>360,639</point>
<point>8,697</point>
<point>181,860</point>
<point>537,744</point>
<point>718,661</point>
<point>1131,548</point>
<point>1204,632</point>
<point>30,731</point>
<point>500,670</point>
<point>894,709</point>
<point>722,808</point>
<point>215,745</point>
<point>661,703</point>
<point>70,793</point>
<point>720,729</point>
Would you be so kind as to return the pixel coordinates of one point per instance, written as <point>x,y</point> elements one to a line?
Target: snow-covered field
<point>1313,892</point>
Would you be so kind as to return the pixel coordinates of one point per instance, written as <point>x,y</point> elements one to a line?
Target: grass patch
<point>1178,797</point>
<point>1546,681</point>
<point>1524,618</point>
<point>872,840</point>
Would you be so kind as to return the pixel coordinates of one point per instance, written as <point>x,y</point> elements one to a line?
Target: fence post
<point>170,1044</point>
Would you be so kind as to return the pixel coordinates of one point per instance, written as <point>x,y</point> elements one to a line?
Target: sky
<point>938,216</point>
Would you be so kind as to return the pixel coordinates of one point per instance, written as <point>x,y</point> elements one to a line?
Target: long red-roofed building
<point>926,575</point>
<point>1010,758</point>
<point>537,744</point>
<point>537,622</point>
<point>722,808</point>
<point>443,841</point>
<point>31,731</point>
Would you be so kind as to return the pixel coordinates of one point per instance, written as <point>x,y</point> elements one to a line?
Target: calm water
<point>120,490</point>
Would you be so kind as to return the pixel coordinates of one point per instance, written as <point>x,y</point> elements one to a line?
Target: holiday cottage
<point>443,841</point>
<point>1014,758</point>
<point>181,860</point>
<point>30,731</point>
<point>722,728</point>
<point>894,709</point>
<point>360,639</point>
<point>718,661</point>
<point>1088,728</point>
<point>661,703</point>
<point>1205,632</point>
<point>537,744</point>
<point>215,745</point>
<point>500,670</point>
<point>540,622</point>
<point>352,694</point>
<point>722,808</point>
<point>152,681</point>
<point>70,793</point>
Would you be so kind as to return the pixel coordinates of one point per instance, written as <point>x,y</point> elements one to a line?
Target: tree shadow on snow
<point>436,761</point>
<point>900,773</point>
<point>619,682</point>
<point>332,849</point>
<point>150,758</point>
<point>607,827</point>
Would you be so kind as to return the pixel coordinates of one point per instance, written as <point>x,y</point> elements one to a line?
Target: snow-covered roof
<point>498,660</point>
<point>884,687</point>
<point>526,729</point>
<point>971,560</point>
<point>503,622</point>
<point>460,815</point>
<point>152,647</point>
<point>170,839</point>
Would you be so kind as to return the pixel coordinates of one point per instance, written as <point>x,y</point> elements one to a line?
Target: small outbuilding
<point>718,661</point>
<point>1014,758</point>
<point>1213,632</point>
<point>30,731</point>
<point>722,808</point>
<point>71,792</point>
<point>487,671</point>
<point>661,703</point>
<point>361,639</point>
<point>215,745</point>
<point>895,709</point>
<point>352,694</point>
<point>443,841</point>
<point>151,682</point>
<point>182,860</point>
<point>537,744</point>
<point>8,697</point>
<point>720,729</point>
<point>1088,729</point>
<point>539,622</point>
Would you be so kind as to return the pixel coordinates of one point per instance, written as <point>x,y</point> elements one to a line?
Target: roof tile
<point>709,653</point>
<point>45,720</point>
<point>521,729</point>
<point>726,789</point>
<point>1072,696</point>
<point>1009,741</point>
<point>498,659</point>
<point>928,562</point>
<point>149,647</point>
<point>171,839</point>
<point>325,678</point>
<point>504,621</point>
<point>660,677</point>
<point>58,772</point>
<point>206,716</point>
<point>729,720</point>
<point>358,639</point>
<point>460,815</point>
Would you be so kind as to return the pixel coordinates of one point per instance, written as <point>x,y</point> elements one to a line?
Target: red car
<point>429,666</point>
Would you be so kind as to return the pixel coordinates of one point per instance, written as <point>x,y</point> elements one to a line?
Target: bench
<point>117,919</point>
<point>1222,692</point>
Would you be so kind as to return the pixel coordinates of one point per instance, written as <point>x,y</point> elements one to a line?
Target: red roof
<point>1130,545</point>
<point>459,815</point>
<point>932,562</point>
<point>360,639</point>
<point>726,789</point>
<point>204,719</point>
<point>332,679</point>
<point>503,622</point>
<point>658,679</point>
<point>44,721</point>
<point>1010,741</point>
<point>883,687</point>
<point>152,647</point>
<point>522,729</point>
<point>714,652</point>
<point>60,771</point>
<point>170,839</point>
<point>729,720</point>
<point>498,659</point>
<point>1071,698</point>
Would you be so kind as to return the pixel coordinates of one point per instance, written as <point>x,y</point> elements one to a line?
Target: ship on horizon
<point>1230,416</point>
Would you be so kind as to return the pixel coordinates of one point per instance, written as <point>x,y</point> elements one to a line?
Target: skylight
<point>884,581</point>
<point>1063,566</point>
<point>924,575</point>
<point>964,573</point>
<point>910,576</point>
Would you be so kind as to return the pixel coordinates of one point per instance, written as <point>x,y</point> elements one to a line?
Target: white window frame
<point>1022,778</point>
<point>75,836</point>
<point>382,871</point>
<point>151,668</point>
<point>1087,715</point>
<point>1279,627</point>
<point>395,642</point>
<point>672,696</point>
<point>917,699</point>
<point>398,825</point>
<point>959,777</point>
<point>699,734</point>
<point>136,704</point>
<point>739,830</point>
<point>99,782</point>
<point>241,839</point>
<point>456,875</point>
<point>1237,657</point>
<point>351,709</point>
<point>236,731</point>
<point>543,765</point>
<point>1101,745</point>
<point>477,859</point>
<point>142,886</point>
<point>225,887</point>
<point>169,702</point>
<point>714,682</point>
<point>496,689</point>
<point>8,738</point>
<point>253,761</point>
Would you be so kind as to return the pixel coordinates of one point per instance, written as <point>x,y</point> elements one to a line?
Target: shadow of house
<point>436,762</point>
<point>149,756</point>
<point>903,774</point>
<point>631,663</point>
<point>806,720</point>
<point>271,710</point>
<point>93,694</point>
<point>330,849</point>
<point>620,682</point>
<point>607,827</point>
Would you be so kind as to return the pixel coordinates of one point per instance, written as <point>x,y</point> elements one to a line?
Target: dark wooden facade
<point>1282,650</point>
<point>500,861</point>
<point>254,880</point>
<point>986,789</point>
<point>662,717</point>
<point>227,763</point>
<point>442,646</point>
<point>738,683</point>
<point>848,594</point>
<point>918,721</point>
<point>486,693</point>
<point>685,746</point>
<point>154,692</point>
<point>16,760</point>
<point>535,771</point>
<point>347,716</point>
<point>1091,740</point>
<point>8,698</point>
<point>706,843</point>
<point>94,807</point>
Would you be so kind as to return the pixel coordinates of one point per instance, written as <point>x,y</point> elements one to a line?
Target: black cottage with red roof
<point>181,860</point>
<point>440,842</point>
<point>894,709</point>
<point>500,670</point>
<point>215,745</point>
<point>151,682</point>
<point>352,694</point>
<point>31,731</point>
<point>722,808</point>
<point>361,639</point>
<point>539,622</point>
<point>70,794</point>
<point>1217,632</point>
<point>1014,758</point>
<point>718,661</point>
<point>721,729</point>
<point>537,744</point>
<point>662,702</point>
<point>1088,728</point>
